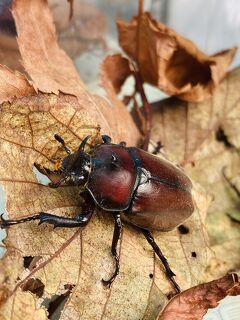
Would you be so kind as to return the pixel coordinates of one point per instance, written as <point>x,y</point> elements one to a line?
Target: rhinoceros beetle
<point>152,193</point>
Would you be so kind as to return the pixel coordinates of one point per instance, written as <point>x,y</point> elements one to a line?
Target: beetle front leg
<point>159,253</point>
<point>80,220</point>
<point>116,238</point>
<point>57,221</point>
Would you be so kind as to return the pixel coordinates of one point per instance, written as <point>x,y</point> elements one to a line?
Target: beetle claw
<point>107,283</point>
<point>2,221</point>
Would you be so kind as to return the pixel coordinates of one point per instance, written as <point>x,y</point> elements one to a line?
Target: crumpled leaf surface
<point>76,258</point>
<point>193,303</point>
<point>190,134</point>
<point>169,61</point>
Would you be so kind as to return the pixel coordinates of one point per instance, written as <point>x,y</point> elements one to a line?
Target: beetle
<point>152,193</point>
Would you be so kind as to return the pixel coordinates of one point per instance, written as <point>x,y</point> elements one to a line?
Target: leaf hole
<point>56,304</point>
<point>183,229</point>
<point>150,275</point>
<point>222,137</point>
<point>35,286</point>
<point>187,69</point>
<point>30,262</point>
<point>194,254</point>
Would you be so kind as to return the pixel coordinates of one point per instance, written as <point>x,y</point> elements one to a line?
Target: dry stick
<point>139,84</point>
<point>147,109</point>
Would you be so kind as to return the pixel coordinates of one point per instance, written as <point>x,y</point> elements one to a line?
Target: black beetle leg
<point>106,139</point>
<point>116,238</point>
<point>159,253</point>
<point>158,147</point>
<point>60,139</point>
<point>80,220</point>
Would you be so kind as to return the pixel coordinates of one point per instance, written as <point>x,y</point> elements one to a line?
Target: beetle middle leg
<point>116,238</point>
<point>159,253</point>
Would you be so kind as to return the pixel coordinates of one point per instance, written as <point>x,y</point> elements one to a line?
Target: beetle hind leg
<point>116,238</point>
<point>169,273</point>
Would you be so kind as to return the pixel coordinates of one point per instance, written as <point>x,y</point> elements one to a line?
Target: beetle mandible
<point>152,193</point>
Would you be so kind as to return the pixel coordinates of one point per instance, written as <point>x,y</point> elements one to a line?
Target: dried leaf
<point>193,303</point>
<point>54,70</point>
<point>82,258</point>
<point>56,73</point>
<point>9,52</point>
<point>190,134</point>
<point>13,85</point>
<point>117,70</point>
<point>169,61</point>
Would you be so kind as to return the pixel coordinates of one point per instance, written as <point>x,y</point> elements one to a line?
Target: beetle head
<point>76,166</point>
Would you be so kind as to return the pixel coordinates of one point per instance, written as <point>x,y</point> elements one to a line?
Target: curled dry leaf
<point>169,61</point>
<point>203,138</point>
<point>193,303</point>
<point>116,69</point>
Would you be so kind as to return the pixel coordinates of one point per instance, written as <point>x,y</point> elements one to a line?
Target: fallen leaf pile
<point>56,274</point>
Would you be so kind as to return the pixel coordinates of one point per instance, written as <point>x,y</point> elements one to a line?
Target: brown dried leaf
<point>193,303</point>
<point>13,85</point>
<point>49,67</point>
<point>190,134</point>
<point>169,61</point>
<point>117,70</point>
<point>55,72</point>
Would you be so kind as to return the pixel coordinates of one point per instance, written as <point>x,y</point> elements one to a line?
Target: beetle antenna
<point>60,139</point>
<point>83,143</point>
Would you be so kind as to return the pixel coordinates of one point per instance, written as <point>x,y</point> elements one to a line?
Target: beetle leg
<point>116,238</point>
<point>159,253</point>
<point>57,221</point>
<point>80,220</point>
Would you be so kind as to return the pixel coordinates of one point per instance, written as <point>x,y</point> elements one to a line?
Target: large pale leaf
<point>204,138</point>
<point>76,258</point>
